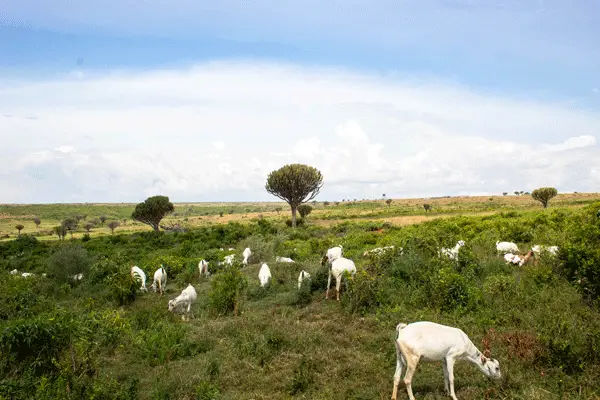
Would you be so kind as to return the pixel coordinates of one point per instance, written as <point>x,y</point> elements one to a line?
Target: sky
<point>116,101</point>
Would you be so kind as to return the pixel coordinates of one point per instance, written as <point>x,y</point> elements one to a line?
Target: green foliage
<point>153,210</point>
<point>70,225</point>
<point>166,342</point>
<point>304,210</point>
<point>206,391</point>
<point>295,184</point>
<point>112,225</point>
<point>290,222</point>
<point>303,378</point>
<point>68,260</point>
<point>544,195</point>
<point>123,287</point>
<point>226,291</point>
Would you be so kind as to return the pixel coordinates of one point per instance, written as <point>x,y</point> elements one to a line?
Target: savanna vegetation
<point>101,338</point>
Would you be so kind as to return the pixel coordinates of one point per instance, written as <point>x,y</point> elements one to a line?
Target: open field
<point>102,338</point>
<point>400,212</point>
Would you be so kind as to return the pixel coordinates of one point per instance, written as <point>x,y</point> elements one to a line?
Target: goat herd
<point>424,340</point>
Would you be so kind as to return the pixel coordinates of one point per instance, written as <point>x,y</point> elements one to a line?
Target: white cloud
<point>214,132</point>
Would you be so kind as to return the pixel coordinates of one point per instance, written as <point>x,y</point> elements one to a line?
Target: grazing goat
<point>434,342</point>
<point>337,269</point>
<point>379,251</point>
<point>160,279</point>
<point>229,259</point>
<point>14,272</point>
<point>511,258</point>
<point>453,252</point>
<point>283,260</point>
<point>506,247</point>
<point>203,267</point>
<point>186,298</point>
<point>332,254</point>
<point>139,275</point>
<point>27,274</point>
<point>264,275</point>
<point>537,249</point>
<point>77,277</point>
<point>246,254</point>
<point>303,275</point>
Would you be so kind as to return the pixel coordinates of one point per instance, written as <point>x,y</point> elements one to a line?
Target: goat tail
<point>399,327</point>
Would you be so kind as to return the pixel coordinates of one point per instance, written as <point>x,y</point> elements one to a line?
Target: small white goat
<point>14,272</point>
<point>379,251</point>
<point>538,249</point>
<point>303,275</point>
<point>332,254</point>
<point>160,279</point>
<point>203,267</point>
<point>229,259</point>
<point>453,252</point>
<point>511,258</point>
<point>337,269</point>
<point>186,298</point>
<point>77,277</point>
<point>506,247</point>
<point>434,342</point>
<point>231,249</point>
<point>27,274</point>
<point>246,254</point>
<point>283,260</point>
<point>139,275</point>
<point>264,275</point>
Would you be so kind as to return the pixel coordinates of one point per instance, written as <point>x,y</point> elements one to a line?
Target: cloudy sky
<point>118,100</point>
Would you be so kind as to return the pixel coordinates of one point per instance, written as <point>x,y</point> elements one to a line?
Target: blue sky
<point>383,96</point>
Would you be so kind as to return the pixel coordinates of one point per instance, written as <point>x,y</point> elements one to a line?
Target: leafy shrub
<point>451,291</point>
<point>164,342</point>
<point>68,260</point>
<point>21,298</point>
<point>299,222</point>
<point>123,287</point>
<point>226,290</point>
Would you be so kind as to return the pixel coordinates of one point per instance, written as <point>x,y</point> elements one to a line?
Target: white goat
<point>203,267</point>
<point>332,254</point>
<point>337,269</point>
<point>506,247</point>
<point>160,279</point>
<point>379,251</point>
<point>27,274</point>
<point>14,272</point>
<point>77,277</point>
<point>303,275</point>
<point>186,298</point>
<point>453,252</point>
<point>139,275</point>
<point>511,258</point>
<point>283,260</point>
<point>231,249</point>
<point>264,275</point>
<point>538,249</point>
<point>434,342</point>
<point>229,259</point>
<point>246,254</point>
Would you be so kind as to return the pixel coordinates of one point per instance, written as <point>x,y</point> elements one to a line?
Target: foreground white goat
<point>332,254</point>
<point>506,247</point>
<point>203,267</point>
<point>283,260</point>
<point>139,275</point>
<point>264,275</point>
<point>185,299</point>
<point>537,249</point>
<point>453,252</point>
<point>337,269</point>
<point>303,275</point>
<point>434,342</point>
<point>160,279</point>
<point>246,254</point>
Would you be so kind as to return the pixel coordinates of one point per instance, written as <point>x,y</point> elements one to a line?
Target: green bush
<point>123,287</point>
<point>451,291</point>
<point>68,260</point>
<point>226,291</point>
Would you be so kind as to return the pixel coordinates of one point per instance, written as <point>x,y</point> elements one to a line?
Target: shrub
<point>68,260</point>
<point>123,287</point>
<point>299,222</point>
<point>451,291</point>
<point>226,291</point>
<point>304,210</point>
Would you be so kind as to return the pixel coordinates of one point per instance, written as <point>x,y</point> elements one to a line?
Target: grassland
<point>190,215</point>
<point>100,339</point>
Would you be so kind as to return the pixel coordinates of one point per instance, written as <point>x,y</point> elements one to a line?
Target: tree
<point>103,219</point>
<point>88,227</point>
<point>70,224</point>
<point>295,184</point>
<point>37,222</point>
<point>504,194</point>
<point>153,210</point>
<point>427,207</point>
<point>112,225</point>
<point>516,192</point>
<point>543,195</point>
<point>304,210</point>
<point>19,227</point>
<point>278,209</point>
<point>325,203</point>
<point>389,202</point>
<point>60,231</point>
